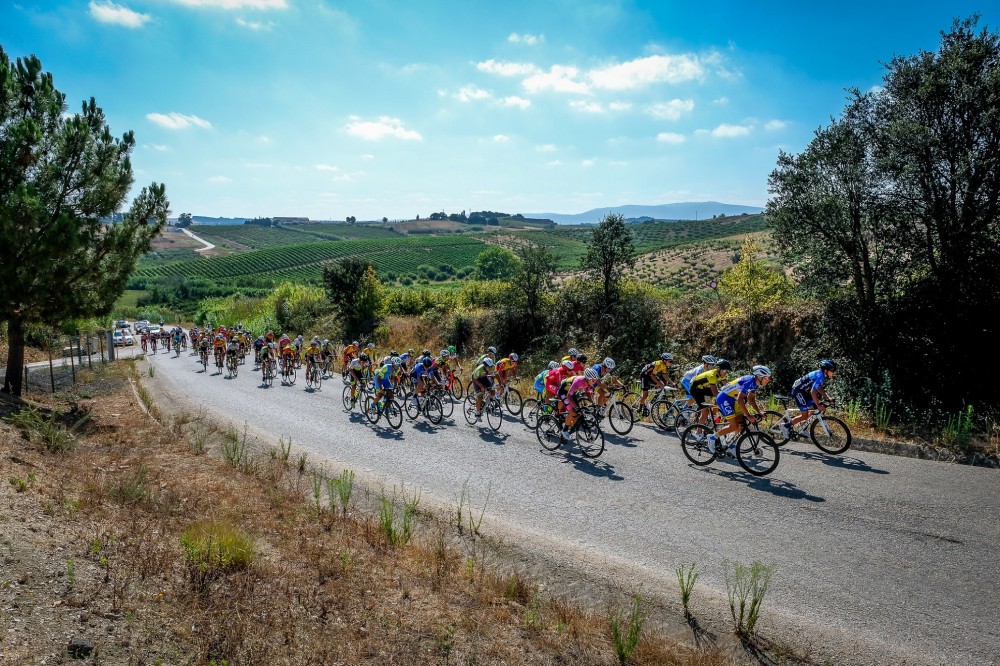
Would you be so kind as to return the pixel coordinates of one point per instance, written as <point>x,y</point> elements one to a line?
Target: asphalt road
<point>895,556</point>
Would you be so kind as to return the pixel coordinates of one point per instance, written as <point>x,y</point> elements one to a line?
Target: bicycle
<point>533,408</point>
<point>620,416</point>
<point>232,365</point>
<point>177,348</point>
<point>269,372</point>
<point>314,378</point>
<point>386,406</point>
<point>828,433</point>
<point>287,371</point>
<point>447,404</point>
<point>219,360</point>
<point>511,397</point>
<point>350,400</point>
<point>589,437</point>
<point>755,450</point>
<point>454,385</point>
<point>203,354</point>
<point>491,408</point>
<point>429,406</point>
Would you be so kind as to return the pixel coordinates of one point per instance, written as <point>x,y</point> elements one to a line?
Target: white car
<point>153,329</point>
<point>123,338</point>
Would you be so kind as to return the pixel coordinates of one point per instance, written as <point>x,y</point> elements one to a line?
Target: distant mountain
<point>673,211</point>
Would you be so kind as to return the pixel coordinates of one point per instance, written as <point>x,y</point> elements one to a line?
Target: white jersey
<point>694,372</point>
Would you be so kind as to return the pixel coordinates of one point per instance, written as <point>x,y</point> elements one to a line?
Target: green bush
<point>213,547</point>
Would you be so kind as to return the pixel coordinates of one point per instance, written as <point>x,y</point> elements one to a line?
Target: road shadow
<point>426,426</point>
<point>592,466</point>
<point>840,462</point>
<point>702,637</point>
<point>611,437</point>
<point>494,437</point>
<point>776,487</point>
<point>385,432</point>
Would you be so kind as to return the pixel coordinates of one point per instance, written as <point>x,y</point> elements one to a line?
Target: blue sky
<point>391,108</point>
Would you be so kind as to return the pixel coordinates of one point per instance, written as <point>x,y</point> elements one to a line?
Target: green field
<point>255,237</point>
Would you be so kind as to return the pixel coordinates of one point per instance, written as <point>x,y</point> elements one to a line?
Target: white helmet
<point>573,352</point>
<point>609,363</point>
<point>708,359</point>
<point>591,374</point>
<point>553,365</point>
<point>396,360</point>
<point>568,365</point>
<point>488,362</point>
<point>761,371</point>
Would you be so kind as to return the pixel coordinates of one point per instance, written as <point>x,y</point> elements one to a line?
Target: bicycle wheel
<point>371,409</point>
<point>549,432</point>
<point>686,417</point>
<point>664,415</point>
<point>512,401</point>
<point>757,453</point>
<point>456,389</point>
<point>589,437</point>
<point>694,444</point>
<point>347,398</point>
<point>291,375</point>
<point>529,412</point>
<point>620,418</point>
<point>494,414</point>
<point>412,409</point>
<point>770,423</point>
<point>394,414</point>
<point>318,378</point>
<point>269,377</point>
<point>434,410</point>
<point>447,404</point>
<point>469,410</point>
<point>831,435</point>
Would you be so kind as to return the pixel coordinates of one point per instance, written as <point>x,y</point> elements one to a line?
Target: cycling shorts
<point>485,381</point>
<point>804,400</point>
<point>729,409</point>
<point>686,383</point>
<point>703,396</point>
<point>384,382</point>
<point>647,382</point>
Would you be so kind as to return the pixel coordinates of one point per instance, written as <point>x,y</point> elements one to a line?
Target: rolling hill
<point>695,210</point>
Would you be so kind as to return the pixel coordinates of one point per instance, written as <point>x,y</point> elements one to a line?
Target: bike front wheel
<point>348,392</point>
<point>694,444</point>
<point>757,453</point>
<point>456,390</point>
<point>620,418</point>
<point>529,413</point>
<point>831,435</point>
<point>494,414</point>
<point>394,414</point>
<point>434,411</point>
<point>447,405</point>
<point>589,438</point>
<point>512,401</point>
<point>664,415</point>
<point>371,409</point>
<point>549,432</point>
<point>412,408</point>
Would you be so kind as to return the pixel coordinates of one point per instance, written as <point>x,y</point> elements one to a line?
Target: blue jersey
<point>814,380</point>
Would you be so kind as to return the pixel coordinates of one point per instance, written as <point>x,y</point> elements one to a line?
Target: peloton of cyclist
<point>809,392</point>
<point>506,368</point>
<point>481,383</point>
<point>733,399</point>
<point>356,368</point>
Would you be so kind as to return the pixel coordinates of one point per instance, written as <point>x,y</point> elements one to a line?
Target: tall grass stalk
<point>958,430</point>
<point>746,587</point>
<point>686,578</point>
<point>626,627</point>
<point>883,413</point>
<point>398,530</point>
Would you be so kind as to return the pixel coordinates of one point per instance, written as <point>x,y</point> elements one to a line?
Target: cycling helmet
<point>667,357</point>
<point>272,345</point>
<point>370,345</point>
<point>410,351</point>
<point>582,358</point>
<point>553,365</point>
<point>452,349</point>
<point>513,357</point>
<point>568,365</point>
<point>315,341</point>
<point>394,353</point>
<point>827,364</point>
<point>488,362</point>
<point>404,357</point>
<point>363,357</point>
<point>427,352</point>
<point>591,374</point>
<point>325,341</point>
<point>445,353</point>
<point>573,352</point>
<point>491,350</point>
<point>761,371</point>
<point>395,360</point>
<point>427,361</point>
<point>708,359</point>
<point>356,343</point>
<point>723,364</point>
<point>609,363</point>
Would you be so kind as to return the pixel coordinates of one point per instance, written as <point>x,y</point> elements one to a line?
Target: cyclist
<point>654,374</point>
<point>258,345</point>
<point>264,356</point>
<point>287,352</point>
<point>356,368</point>
<point>327,354</point>
<point>312,355</point>
<point>573,355</point>
<point>204,342</point>
<point>733,399</point>
<point>491,353</point>
<point>419,377</point>
<point>707,363</point>
<point>481,383</point>
<point>232,349</point>
<point>539,382</point>
<point>569,390</point>
<point>555,377</point>
<point>809,393</point>
<point>506,367</point>
<point>705,387</point>
<point>605,373</point>
<point>383,380</point>
<point>220,348</point>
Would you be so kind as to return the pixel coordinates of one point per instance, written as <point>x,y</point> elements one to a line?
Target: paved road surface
<point>897,553</point>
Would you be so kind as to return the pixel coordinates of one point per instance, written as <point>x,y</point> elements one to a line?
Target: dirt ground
<point>103,555</point>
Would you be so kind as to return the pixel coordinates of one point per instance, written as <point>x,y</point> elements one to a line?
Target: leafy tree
<point>60,176</point>
<point>532,280</point>
<point>751,287</point>
<point>356,291</point>
<point>496,263</point>
<point>610,251</point>
<point>184,220</point>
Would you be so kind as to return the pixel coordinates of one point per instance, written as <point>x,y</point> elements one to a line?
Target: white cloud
<point>586,107</point>
<point>530,40</point>
<point>644,71</point>
<point>546,148</point>
<point>156,146</point>
<point>587,163</point>
<point>559,79</point>
<point>470,93</point>
<point>727,131</point>
<point>177,120</point>
<point>367,156</point>
<point>263,139</point>
<point>671,110</point>
<point>258,26</point>
<point>379,129</point>
<point>721,101</point>
<point>555,163</point>
<point>506,68</point>
<point>514,100</point>
<point>670,137</point>
<point>775,124</point>
<point>235,4</point>
<point>256,165</point>
<point>220,180</point>
<point>620,106</point>
<point>109,12</point>
<point>501,138</point>
<point>326,167</point>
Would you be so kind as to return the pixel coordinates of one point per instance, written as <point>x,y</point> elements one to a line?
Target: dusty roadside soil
<point>92,567</point>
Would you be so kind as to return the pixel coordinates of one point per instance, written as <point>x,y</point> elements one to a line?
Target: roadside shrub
<point>213,547</point>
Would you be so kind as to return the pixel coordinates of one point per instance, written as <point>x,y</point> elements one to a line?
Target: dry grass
<point>134,505</point>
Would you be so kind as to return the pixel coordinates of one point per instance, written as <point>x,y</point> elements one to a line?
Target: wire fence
<point>68,357</point>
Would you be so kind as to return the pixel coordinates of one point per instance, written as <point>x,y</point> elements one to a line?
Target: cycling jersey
<point>654,368</point>
<point>505,365</point>
<point>726,400</point>
<point>689,377</point>
<point>571,385</point>
<point>701,386</point>
<point>804,386</point>
<point>481,372</point>
<point>553,379</point>
<point>383,377</point>
<point>312,351</point>
<point>539,383</point>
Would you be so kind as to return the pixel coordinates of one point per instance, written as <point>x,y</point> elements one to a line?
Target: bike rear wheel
<point>664,415</point>
<point>456,389</point>
<point>589,437</point>
<point>769,423</point>
<point>757,453</point>
<point>347,398</point>
<point>512,401</point>
<point>394,414</point>
<point>447,404</point>
<point>620,418</point>
<point>549,432</point>
<point>529,413</point>
<point>834,439</point>
<point>411,407</point>
<point>694,444</point>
